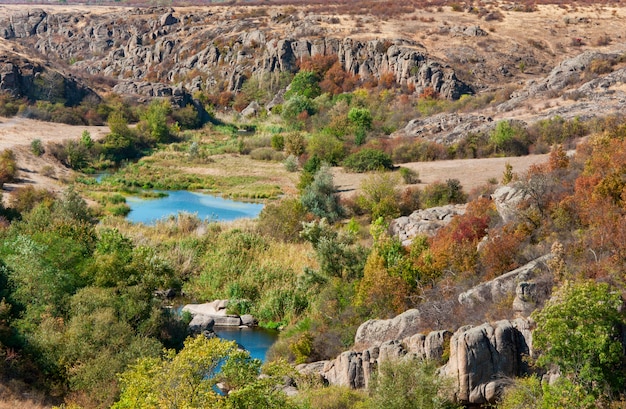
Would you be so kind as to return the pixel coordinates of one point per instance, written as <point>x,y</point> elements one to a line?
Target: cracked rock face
<point>200,50</point>
<point>483,357</point>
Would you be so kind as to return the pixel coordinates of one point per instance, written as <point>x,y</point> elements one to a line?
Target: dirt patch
<point>45,171</point>
<point>472,173</point>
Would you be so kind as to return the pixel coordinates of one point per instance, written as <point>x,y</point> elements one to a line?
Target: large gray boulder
<point>216,311</point>
<point>424,222</point>
<point>508,199</point>
<point>374,332</point>
<point>483,358</point>
<point>446,128</point>
<point>201,323</point>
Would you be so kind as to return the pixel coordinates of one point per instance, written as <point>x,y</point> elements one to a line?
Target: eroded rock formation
<point>201,50</point>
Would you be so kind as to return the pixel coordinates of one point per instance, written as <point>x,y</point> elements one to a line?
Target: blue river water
<point>255,340</point>
<point>215,208</point>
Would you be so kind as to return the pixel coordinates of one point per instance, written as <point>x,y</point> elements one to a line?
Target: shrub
<point>326,147</point>
<point>439,194</point>
<point>36,147</point>
<point>380,196</point>
<point>26,198</point>
<point>268,154</point>
<point>409,176</point>
<point>291,163</point>
<point>320,197</point>
<point>297,105</point>
<point>48,171</point>
<point>367,160</point>
<point>409,384</point>
<point>509,138</point>
<point>8,167</point>
<point>282,220</point>
<point>278,141</point>
<point>295,143</point>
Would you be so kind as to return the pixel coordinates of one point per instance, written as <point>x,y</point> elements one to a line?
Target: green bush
<point>368,160</point>
<point>304,84</point>
<point>8,167</point>
<point>409,176</point>
<point>320,196</point>
<point>282,220</point>
<point>296,106</point>
<point>267,154</point>
<point>36,147</point>
<point>409,384</point>
<point>440,194</point>
<point>326,147</point>
<point>380,196</point>
<point>578,330</point>
<point>291,163</point>
<point>278,141</point>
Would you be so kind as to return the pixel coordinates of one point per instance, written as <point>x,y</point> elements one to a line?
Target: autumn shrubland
<point>312,264</point>
<point>80,320</point>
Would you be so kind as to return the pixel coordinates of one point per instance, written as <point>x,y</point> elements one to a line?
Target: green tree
<point>361,117</point>
<point>8,167</point>
<point>579,330</point>
<point>156,120</point>
<point>320,197</point>
<point>187,379</point>
<point>306,84</point>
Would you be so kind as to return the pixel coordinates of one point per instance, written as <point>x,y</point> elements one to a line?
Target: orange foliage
<point>318,63</point>
<point>498,253</point>
<point>429,93</point>
<point>454,246</point>
<point>558,159</point>
<point>383,294</point>
<point>387,80</point>
<point>337,80</point>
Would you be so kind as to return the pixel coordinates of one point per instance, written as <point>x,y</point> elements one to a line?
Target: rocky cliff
<point>202,50</point>
<point>27,78</point>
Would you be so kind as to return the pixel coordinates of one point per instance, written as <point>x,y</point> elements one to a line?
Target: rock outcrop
<point>519,283</point>
<point>423,222</point>
<point>446,128</point>
<point>507,200</point>
<point>483,358</point>
<point>216,312</point>
<point>23,78</point>
<point>480,360</point>
<point>201,50</point>
<point>375,332</point>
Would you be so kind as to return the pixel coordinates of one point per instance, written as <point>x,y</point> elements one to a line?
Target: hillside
<point>444,203</point>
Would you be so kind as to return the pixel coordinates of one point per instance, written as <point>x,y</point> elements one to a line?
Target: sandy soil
<point>472,173</point>
<point>17,133</point>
